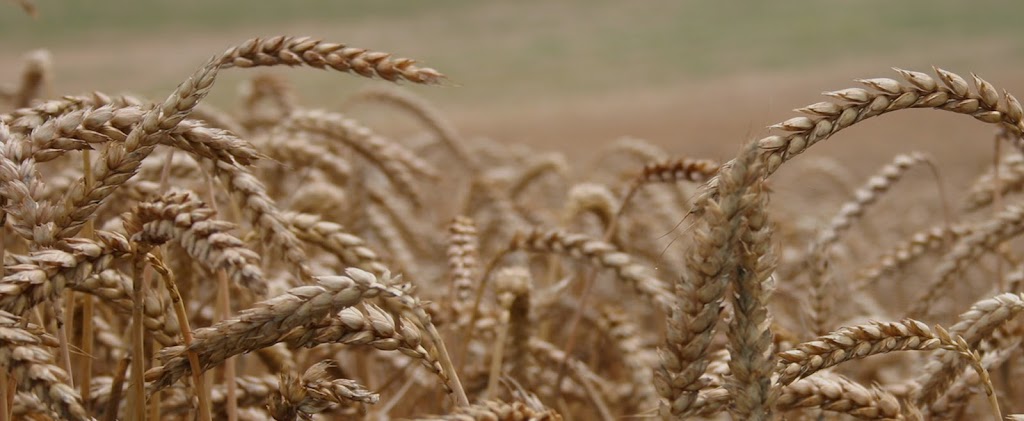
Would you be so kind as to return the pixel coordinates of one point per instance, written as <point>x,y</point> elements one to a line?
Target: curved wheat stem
<point>425,113</point>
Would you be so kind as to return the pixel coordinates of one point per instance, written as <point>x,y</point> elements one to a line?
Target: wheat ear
<point>906,252</point>
<point>1008,224</point>
<point>600,253</point>
<point>867,195</point>
<point>711,262</point>
<point>266,323</point>
<point>119,163</point>
<point>637,358</point>
<point>463,266</point>
<point>397,163</point>
<point>918,90</point>
<point>497,410</point>
<point>750,336</point>
<point>314,392</point>
<point>861,341</point>
<point>23,356</point>
<point>48,271</point>
<point>181,215</point>
<point>350,249</point>
<point>1007,178</point>
<point>836,393</point>
<point>975,325</point>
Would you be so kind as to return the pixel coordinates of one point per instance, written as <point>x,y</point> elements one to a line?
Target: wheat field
<point>164,258</point>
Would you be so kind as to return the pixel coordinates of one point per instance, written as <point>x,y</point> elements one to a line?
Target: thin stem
<point>570,341</point>
<point>5,404</point>
<point>138,333</point>
<point>223,313</point>
<point>110,414</point>
<point>499,354</point>
<point>997,202</point>
<point>614,224</point>
<point>4,413</point>
<point>230,372</point>
<point>186,334</point>
<point>88,306</point>
<point>62,338</point>
<point>474,314</point>
<point>447,366</point>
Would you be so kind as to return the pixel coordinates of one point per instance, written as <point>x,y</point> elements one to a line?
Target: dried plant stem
<point>230,372</point>
<point>570,341</point>
<point>87,299</point>
<point>223,313</point>
<point>6,404</point>
<point>110,414</point>
<point>199,383</point>
<point>997,200</point>
<point>497,355</point>
<point>62,337</point>
<point>138,383</point>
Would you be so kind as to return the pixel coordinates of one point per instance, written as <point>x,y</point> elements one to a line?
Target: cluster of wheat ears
<point>168,260</point>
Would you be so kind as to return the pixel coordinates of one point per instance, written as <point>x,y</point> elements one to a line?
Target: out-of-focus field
<point>696,77</point>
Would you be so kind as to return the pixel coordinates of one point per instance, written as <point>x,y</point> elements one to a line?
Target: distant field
<point>571,46</point>
<point>545,72</point>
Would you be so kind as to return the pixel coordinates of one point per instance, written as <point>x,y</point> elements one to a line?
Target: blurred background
<point>698,78</point>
